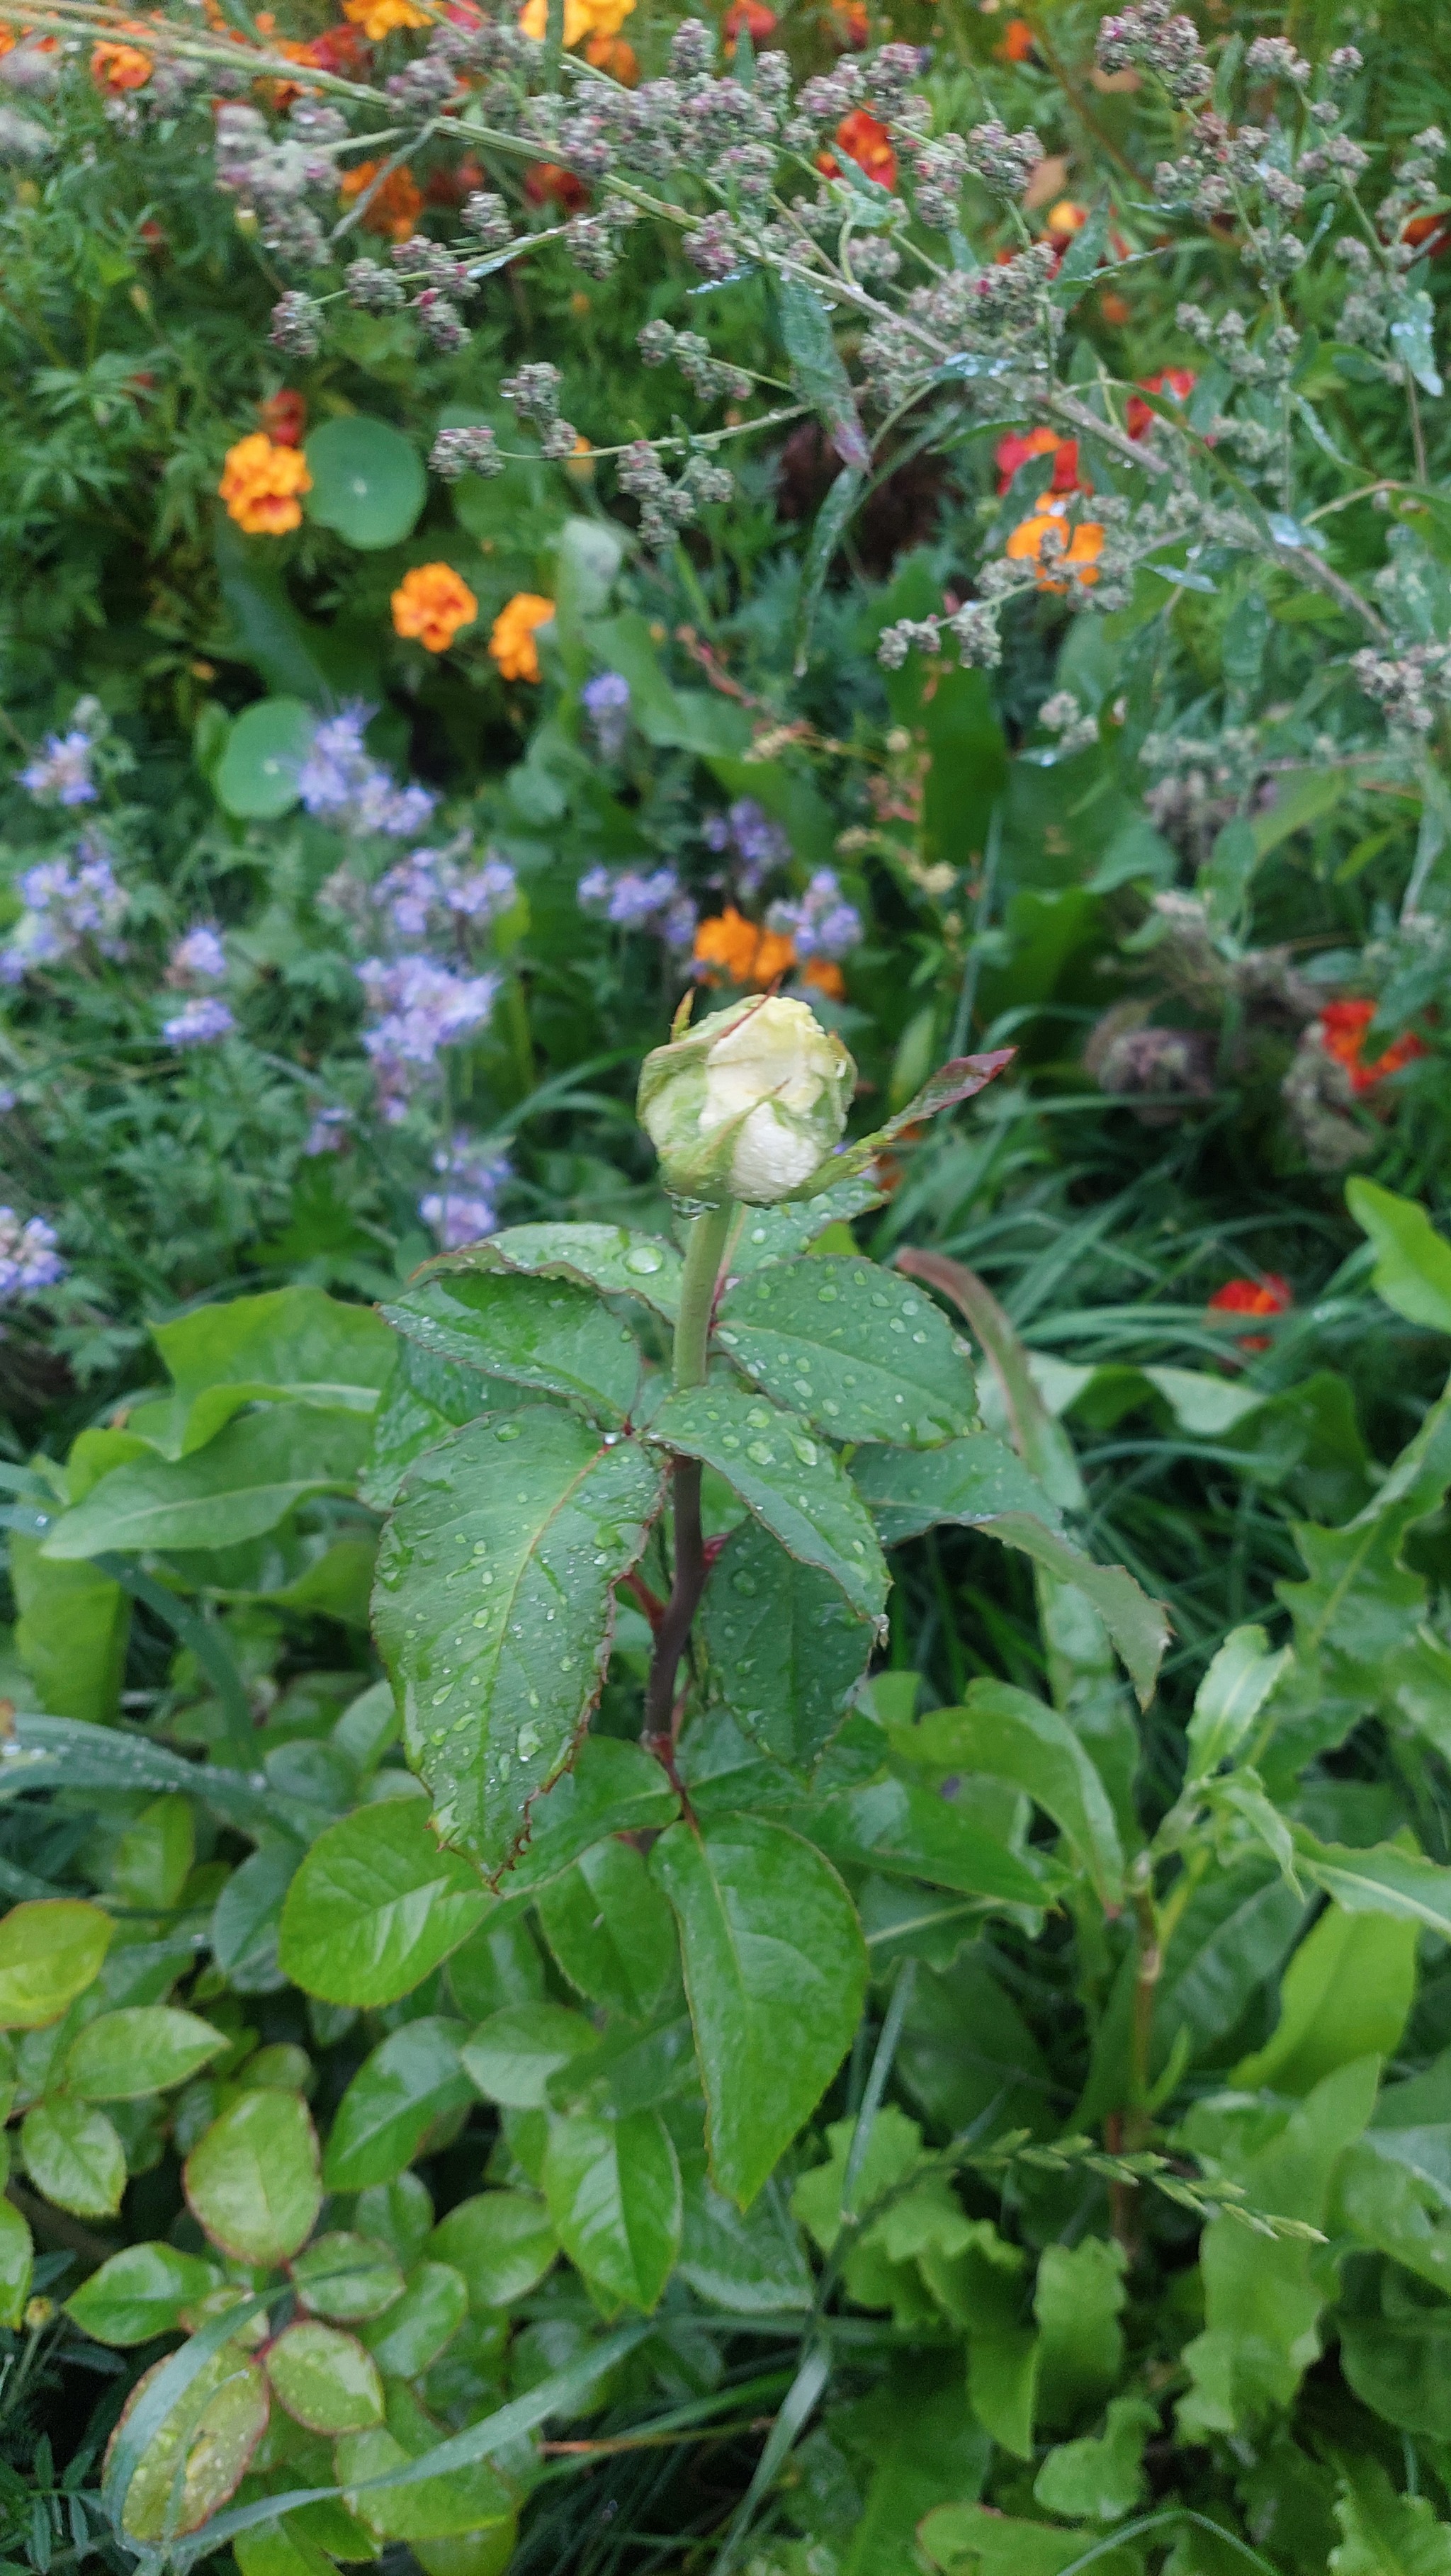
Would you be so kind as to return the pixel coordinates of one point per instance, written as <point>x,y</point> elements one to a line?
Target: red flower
<point>284,417</point>
<point>546,184</point>
<point>1021,444</point>
<point>1178,381</point>
<point>1271,1295</point>
<point>1017,41</point>
<point>864,140</point>
<point>758,21</point>
<point>1342,1027</point>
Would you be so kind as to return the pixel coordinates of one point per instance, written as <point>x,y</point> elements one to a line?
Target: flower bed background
<point>945,518</point>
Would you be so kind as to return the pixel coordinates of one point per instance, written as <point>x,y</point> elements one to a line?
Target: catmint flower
<point>66,904</point>
<point>481,894</point>
<point>634,901</point>
<point>606,702</point>
<point>200,1022</point>
<point>463,1210</point>
<point>327,1132</point>
<point>422,1007</point>
<point>823,923</point>
<point>340,783</point>
<point>466,451</point>
<point>749,1105</point>
<point>28,1256</point>
<point>61,772</point>
<point>746,831</point>
<point>200,956</point>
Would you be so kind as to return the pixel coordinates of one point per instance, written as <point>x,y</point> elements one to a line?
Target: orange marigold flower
<point>611,54</point>
<point>581,18</point>
<point>395,210</point>
<point>1271,1295</point>
<point>1343,1026</point>
<point>284,417</point>
<point>431,603</point>
<point>1040,540</point>
<point>753,17</point>
<point>260,485</point>
<point>379,18</point>
<point>511,641</point>
<point>1178,381</point>
<point>849,26</point>
<point>826,977</point>
<point>120,67</point>
<point>1017,41</point>
<point>1020,445</point>
<point>547,183</point>
<point>1065,219</point>
<point>729,949</point>
<point>865,140</point>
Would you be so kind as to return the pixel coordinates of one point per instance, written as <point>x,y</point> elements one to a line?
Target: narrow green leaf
<point>1381,1880</point>
<point>907,1831</point>
<point>1230,1697</point>
<point>1412,1261</point>
<point>613,2192</point>
<point>1138,1625</point>
<point>243,1482</point>
<point>795,1485</point>
<point>828,529</point>
<point>1015,1737</point>
<point>817,371</point>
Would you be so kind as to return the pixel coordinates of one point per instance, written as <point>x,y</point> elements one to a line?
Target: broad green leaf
<point>1015,1737</point>
<point>612,1931</point>
<point>367,482</point>
<point>769,1235</point>
<point>494,1609</point>
<point>785,1649</point>
<point>344,2276</point>
<point>614,1787</point>
<point>200,2454</point>
<point>631,2069</point>
<point>1230,1697</point>
<point>1346,1994</point>
<point>50,1951</point>
<point>545,1334</point>
<point>424,1400</point>
<point>1381,1880</point>
<point>153,1859</point>
<point>788,1478</point>
<point>252,2179</point>
<point>1385,2534</point>
<point>614,1260</point>
<point>256,777</point>
<point>1101,2478</point>
<point>612,2188</point>
<point>412,2080</point>
<point>71,1633</point>
<point>979,2540</point>
<point>1078,2298</point>
<point>244,1481</point>
<point>857,1350</point>
<point>433,2305</point>
<point>968,1482</point>
<point>748,2261</point>
<point>496,1966</point>
<point>512,2056</point>
<point>17,2260</point>
<point>917,2446</point>
<point>376,1905</point>
<point>455,2503</point>
<point>296,1342</point>
<point>145,2049</point>
<point>324,2378</point>
<point>73,2156</point>
<point>501,2241</point>
<point>908,1831</point>
<point>1412,1261</point>
<point>400,2213</point>
<point>247,1919</point>
<point>775,1969</point>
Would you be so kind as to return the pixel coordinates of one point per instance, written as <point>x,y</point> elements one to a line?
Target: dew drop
<point>745,1584</point>
<point>759,1418</point>
<point>762,1452</point>
<point>506,1431</point>
<point>919,1337</point>
<point>644,1259</point>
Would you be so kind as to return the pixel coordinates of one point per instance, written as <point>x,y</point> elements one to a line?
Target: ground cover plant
<point>726,1273</point>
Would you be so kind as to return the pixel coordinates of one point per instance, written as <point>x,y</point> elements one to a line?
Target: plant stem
<point>704,1253</point>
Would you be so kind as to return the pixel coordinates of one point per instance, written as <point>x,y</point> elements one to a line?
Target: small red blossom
<point>546,183</point>
<point>1178,381</point>
<point>284,417</point>
<point>1270,1295</point>
<point>865,140</point>
<point>1343,1026</point>
<point>1021,444</point>
<point>1016,43</point>
<point>750,17</point>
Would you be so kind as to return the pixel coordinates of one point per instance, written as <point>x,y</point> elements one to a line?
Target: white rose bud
<point>749,1105</point>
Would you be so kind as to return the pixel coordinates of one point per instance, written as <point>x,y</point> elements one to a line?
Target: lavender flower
<point>421,1008</point>
<point>61,772</point>
<point>326,1134</point>
<point>28,1256</point>
<point>341,783</point>
<point>636,902</point>
<point>463,1210</point>
<point>199,1022</point>
<point>199,957</point>
<point>746,831</point>
<point>606,702</point>
<point>823,923</point>
<point>428,887</point>
<point>66,903</point>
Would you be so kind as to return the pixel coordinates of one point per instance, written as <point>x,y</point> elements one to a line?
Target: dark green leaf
<point>792,1482</point>
<point>968,1482</point>
<point>541,1333</point>
<point>785,1649</point>
<point>613,2193</point>
<point>1015,1737</point>
<point>817,371</point>
<point>615,1260</point>
<point>862,1355</point>
<point>611,1930</point>
<point>425,1399</point>
<point>412,2080</point>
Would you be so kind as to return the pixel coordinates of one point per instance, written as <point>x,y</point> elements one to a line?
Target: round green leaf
<point>345,2276</point>
<point>325,2379</point>
<point>199,2457</point>
<point>412,2079</point>
<point>143,2049</point>
<point>73,2155</point>
<point>512,2055</point>
<point>140,2293</point>
<point>376,1905</point>
<point>501,2241</point>
<point>456,2503</point>
<point>16,2257</point>
<point>50,1951</point>
<point>470,2553</point>
<point>417,2326</point>
<point>367,482</point>
<point>252,2180</point>
<point>257,773</point>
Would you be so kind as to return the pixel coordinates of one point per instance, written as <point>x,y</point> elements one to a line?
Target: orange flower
<point>1271,1295</point>
<point>826,977</point>
<point>1019,445</point>
<point>752,16</point>
<point>1045,530</point>
<point>611,54</point>
<point>864,140</point>
<point>378,18</point>
<point>431,603</point>
<point>1017,41</point>
<point>511,641</point>
<point>547,183</point>
<point>120,67</point>
<point>1115,308</point>
<point>395,210</point>
<point>1342,1027</point>
<point>581,18</point>
<point>1178,381</point>
<point>1065,219</point>
<point>284,417</point>
<point>729,949</point>
<point>849,26</point>
<point>580,466</point>
<point>260,484</point>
